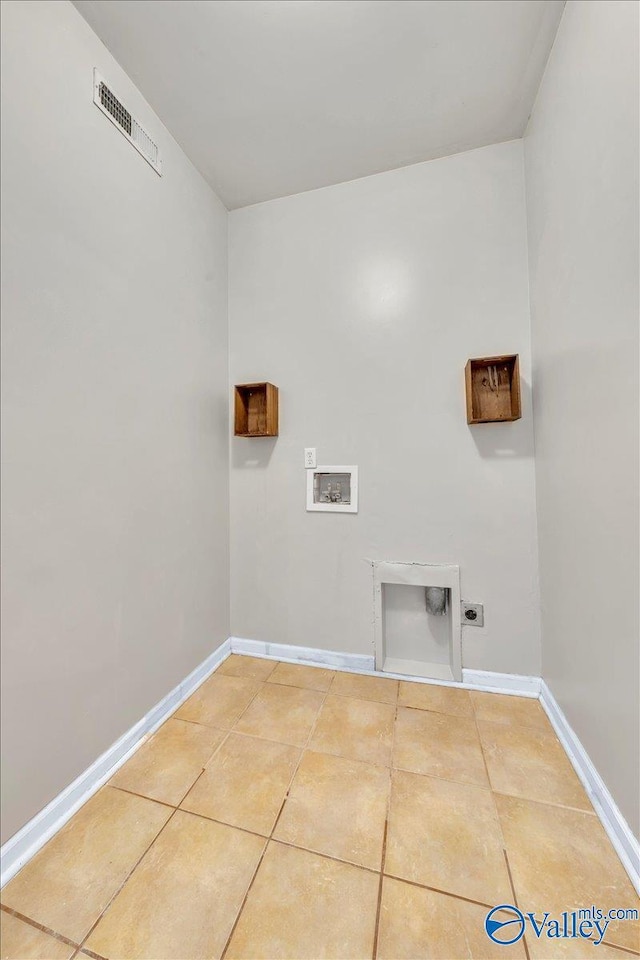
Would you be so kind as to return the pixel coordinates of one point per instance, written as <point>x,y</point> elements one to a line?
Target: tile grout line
<point>376,931</point>
<point>128,876</point>
<point>445,893</point>
<point>142,796</point>
<point>89,953</point>
<point>197,723</point>
<point>493,797</point>
<point>482,754</point>
<point>513,891</point>
<point>227,734</point>
<point>222,823</point>
<point>275,824</point>
<point>242,712</point>
<point>435,776</point>
<point>625,950</point>
<point>545,803</point>
<point>303,750</point>
<point>190,788</point>
<point>276,821</point>
<point>499,822</point>
<point>38,926</point>
<point>244,899</point>
<point>139,861</point>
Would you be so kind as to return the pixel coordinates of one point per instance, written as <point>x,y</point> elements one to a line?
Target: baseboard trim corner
<point>615,825</point>
<point>24,844</point>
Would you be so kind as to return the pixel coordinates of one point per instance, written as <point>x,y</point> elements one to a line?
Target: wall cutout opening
<point>333,489</point>
<point>417,619</point>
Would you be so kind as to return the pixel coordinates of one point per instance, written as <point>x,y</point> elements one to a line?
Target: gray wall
<point>362,302</point>
<point>582,185</point>
<point>115,446</point>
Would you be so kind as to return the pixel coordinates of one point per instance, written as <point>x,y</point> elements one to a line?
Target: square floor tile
<point>298,675</point>
<point>337,807</point>
<point>430,696</point>
<point>356,729</point>
<point>219,701</point>
<point>438,744</point>
<point>562,859</point>
<point>170,761</point>
<point>251,668</point>
<point>305,907</point>
<point>21,941</point>
<point>383,689</point>
<point>503,708</point>
<point>446,835</point>
<point>183,898</point>
<point>530,762</point>
<point>281,713</point>
<point>69,883</point>
<point>245,783</point>
<point>417,923</point>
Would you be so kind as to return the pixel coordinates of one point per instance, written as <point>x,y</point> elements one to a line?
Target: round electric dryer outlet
<point>472,614</point>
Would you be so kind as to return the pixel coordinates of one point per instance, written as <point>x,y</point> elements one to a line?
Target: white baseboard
<point>308,655</point>
<point>516,683</point>
<point>27,841</point>
<point>616,827</point>
<point>510,683</point>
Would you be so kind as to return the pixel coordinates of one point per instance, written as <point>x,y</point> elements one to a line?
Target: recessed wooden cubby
<point>256,410</point>
<point>493,389</point>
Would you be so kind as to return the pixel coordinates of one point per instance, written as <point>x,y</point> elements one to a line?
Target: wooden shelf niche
<point>255,410</point>
<point>493,389</point>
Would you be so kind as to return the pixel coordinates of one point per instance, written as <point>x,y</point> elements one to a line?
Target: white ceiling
<point>272,97</point>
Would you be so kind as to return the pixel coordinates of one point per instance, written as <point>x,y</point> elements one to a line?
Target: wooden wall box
<point>493,389</point>
<point>255,410</point>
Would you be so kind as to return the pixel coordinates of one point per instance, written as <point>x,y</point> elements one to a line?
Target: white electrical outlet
<point>310,458</point>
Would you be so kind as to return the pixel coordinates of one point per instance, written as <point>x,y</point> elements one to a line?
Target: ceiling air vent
<point>112,107</point>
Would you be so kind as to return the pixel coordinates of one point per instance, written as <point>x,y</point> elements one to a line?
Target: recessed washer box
<point>399,591</point>
<point>332,489</point>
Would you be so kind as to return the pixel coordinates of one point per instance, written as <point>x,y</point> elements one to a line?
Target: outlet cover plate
<point>471,614</point>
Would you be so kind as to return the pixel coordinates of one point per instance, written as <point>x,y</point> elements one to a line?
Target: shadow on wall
<point>507,440</point>
<point>251,453</point>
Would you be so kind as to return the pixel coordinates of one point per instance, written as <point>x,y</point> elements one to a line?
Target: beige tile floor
<point>287,811</point>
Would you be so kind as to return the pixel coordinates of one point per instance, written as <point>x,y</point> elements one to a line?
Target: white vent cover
<point>114,109</point>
